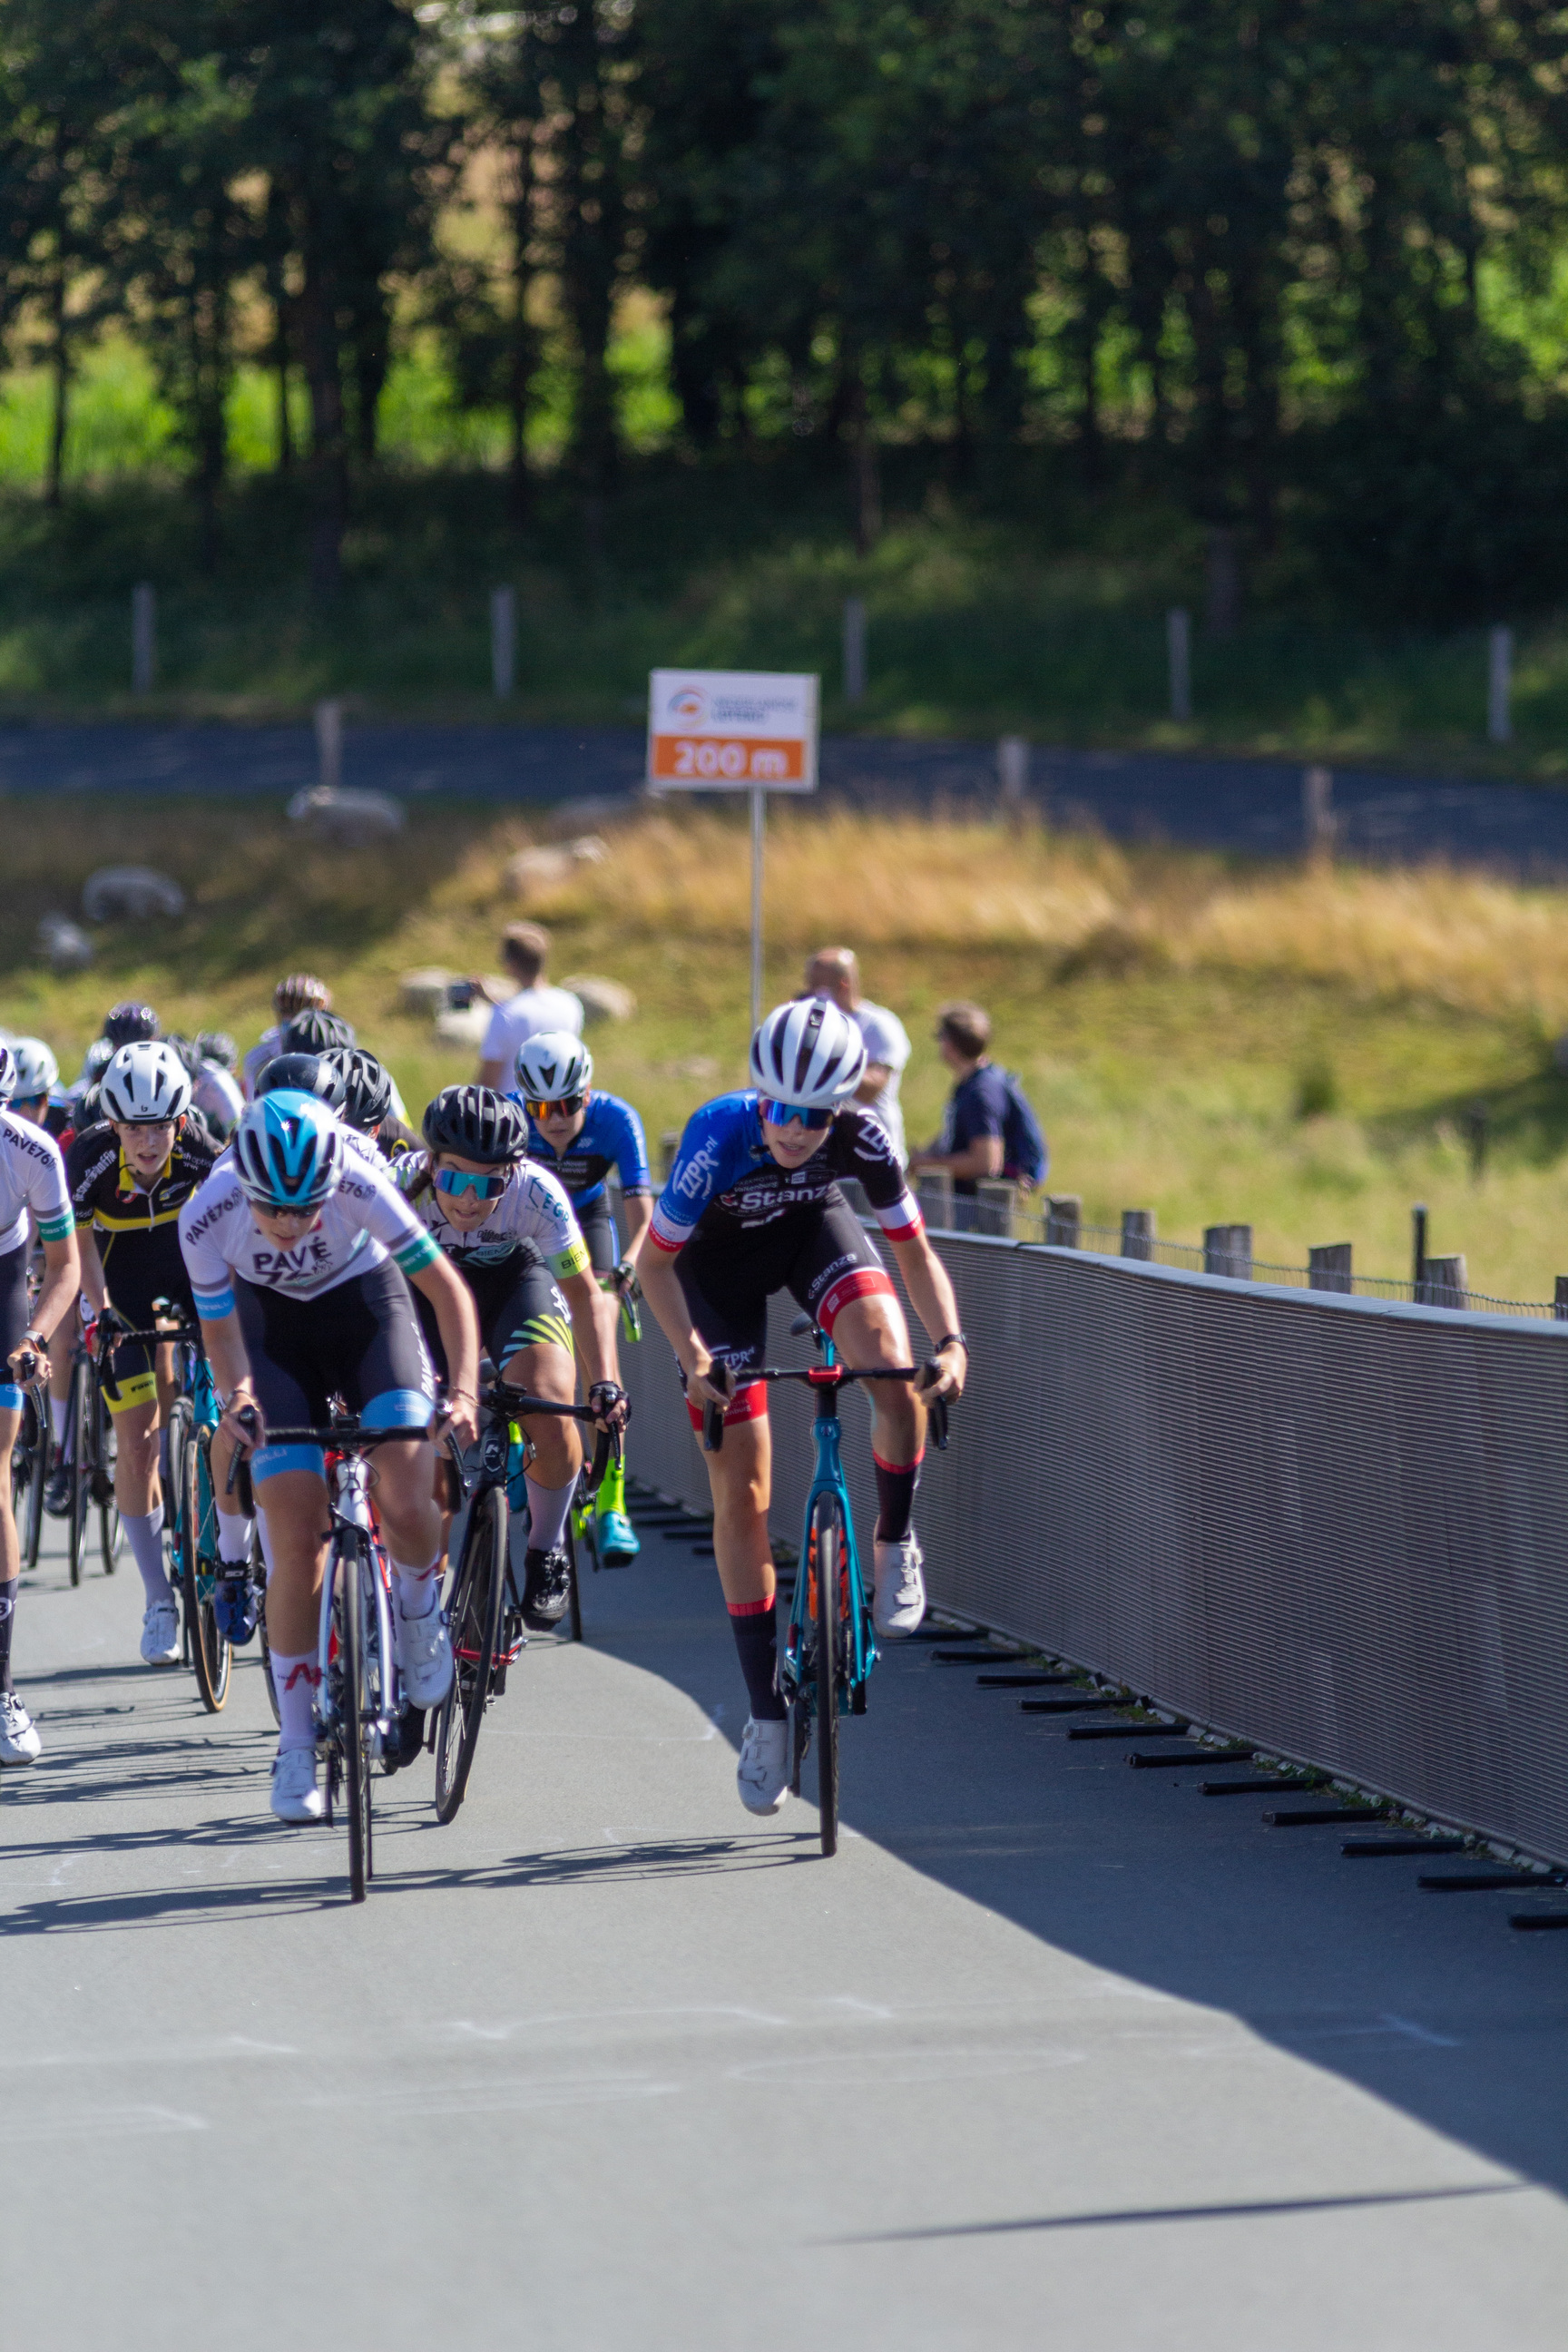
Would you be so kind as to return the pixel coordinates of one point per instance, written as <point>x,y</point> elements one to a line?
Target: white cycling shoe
<point>161,1635</point>
<point>762,1775</point>
<point>424,1656</point>
<point>899,1586</point>
<point>295,1796</point>
<point>19,1743</point>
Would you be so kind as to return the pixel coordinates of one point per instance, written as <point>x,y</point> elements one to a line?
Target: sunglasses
<point>781,1114</point>
<point>458,1180</point>
<point>568,1105</point>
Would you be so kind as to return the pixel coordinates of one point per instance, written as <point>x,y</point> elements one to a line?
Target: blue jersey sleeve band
<point>398,1409</point>
<point>10,1397</point>
<point>271,1461</point>
<point>212,1306</point>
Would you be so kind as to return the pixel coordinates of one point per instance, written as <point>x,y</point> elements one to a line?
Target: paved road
<point>1247,804</point>
<point>1051,2049</point>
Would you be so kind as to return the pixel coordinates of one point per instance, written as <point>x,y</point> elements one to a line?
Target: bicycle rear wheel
<point>350,1570</point>
<point>105,1451</point>
<point>575,1601</point>
<point>210,1652</point>
<point>258,1584</point>
<point>35,1445</point>
<point>474,1619</point>
<point>78,1437</point>
<point>827,1529</point>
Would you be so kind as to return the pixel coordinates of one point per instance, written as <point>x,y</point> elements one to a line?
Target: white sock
<point>58,1408</point>
<point>144,1533</point>
<point>233,1540</point>
<point>547,1510</point>
<point>295,1679</point>
<point>416,1588</point>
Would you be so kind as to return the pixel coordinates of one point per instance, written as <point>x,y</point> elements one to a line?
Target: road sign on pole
<point>724,731</point>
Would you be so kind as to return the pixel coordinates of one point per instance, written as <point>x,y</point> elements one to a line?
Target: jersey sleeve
<point>550,1222</point>
<point>624,1133</point>
<point>390,1219</point>
<point>697,1176</point>
<point>211,1213</point>
<point>45,1185</point>
<point>871,1158</point>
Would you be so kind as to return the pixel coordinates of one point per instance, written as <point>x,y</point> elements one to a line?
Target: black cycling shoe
<point>405,1740</point>
<point>57,1492</point>
<point>547,1587</point>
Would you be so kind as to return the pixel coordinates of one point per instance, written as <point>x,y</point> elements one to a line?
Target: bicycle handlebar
<point>516,1404</point>
<point>342,1437</point>
<point>830,1376</point>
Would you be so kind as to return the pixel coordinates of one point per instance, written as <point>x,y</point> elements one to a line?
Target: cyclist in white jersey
<point>32,1182</point>
<point>301,1255</point>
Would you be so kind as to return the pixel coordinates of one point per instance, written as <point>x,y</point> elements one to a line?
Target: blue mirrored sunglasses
<point>781,1113</point>
<point>458,1180</point>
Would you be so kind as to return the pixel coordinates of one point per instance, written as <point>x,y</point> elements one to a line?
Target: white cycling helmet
<point>7,1072</point>
<point>809,1054</point>
<point>144,1085</point>
<point>36,1068</point>
<point>553,1064</point>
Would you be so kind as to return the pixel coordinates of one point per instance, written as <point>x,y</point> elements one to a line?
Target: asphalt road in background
<point>1208,802</point>
<point>1051,2050</point>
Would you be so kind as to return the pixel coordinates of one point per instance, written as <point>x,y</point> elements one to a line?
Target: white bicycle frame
<point>350,1506</point>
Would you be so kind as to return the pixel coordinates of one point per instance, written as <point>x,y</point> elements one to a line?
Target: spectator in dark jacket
<point>974,1127</point>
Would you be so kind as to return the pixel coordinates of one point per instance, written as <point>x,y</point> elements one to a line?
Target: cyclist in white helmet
<point>32,1190</point>
<point>753,1206</point>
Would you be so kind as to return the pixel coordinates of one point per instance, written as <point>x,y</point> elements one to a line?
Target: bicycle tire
<point>259,1581</point>
<point>574,1598</point>
<point>348,1607</point>
<point>174,1512</point>
<point>38,1450</point>
<point>211,1654</point>
<point>827,1529</point>
<point>475,1621</point>
<point>79,1425</point>
<point>105,1452</point>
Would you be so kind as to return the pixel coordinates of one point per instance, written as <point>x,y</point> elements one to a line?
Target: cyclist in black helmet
<point>129,1024</point>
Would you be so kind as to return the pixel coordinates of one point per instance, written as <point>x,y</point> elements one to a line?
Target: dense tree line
<point>1260,256</point>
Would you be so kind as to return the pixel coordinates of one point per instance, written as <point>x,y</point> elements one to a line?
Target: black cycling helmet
<point>128,1025</point>
<point>303,1074</point>
<point>367,1089</point>
<point>313,1031</point>
<point>476,1123</point>
<point>217,1046</point>
<point>190,1060</point>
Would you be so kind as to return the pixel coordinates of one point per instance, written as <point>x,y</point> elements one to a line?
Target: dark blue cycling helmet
<point>302,1074</point>
<point>287,1150</point>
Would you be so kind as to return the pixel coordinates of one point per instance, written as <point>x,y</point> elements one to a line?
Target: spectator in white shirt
<point>524,950</point>
<point>835,974</point>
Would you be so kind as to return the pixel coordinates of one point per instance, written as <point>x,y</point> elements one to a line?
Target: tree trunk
<point>329,455</point>
<point>60,360</point>
<point>521,357</point>
<point>864,473</point>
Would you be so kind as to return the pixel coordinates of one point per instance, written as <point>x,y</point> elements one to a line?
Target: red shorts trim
<point>749,1608</point>
<point>860,1282</point>
<point>751,1405</point>
<point>893,1468</point>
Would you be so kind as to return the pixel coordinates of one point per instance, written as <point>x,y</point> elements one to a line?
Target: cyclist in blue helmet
<point>300,1252</point>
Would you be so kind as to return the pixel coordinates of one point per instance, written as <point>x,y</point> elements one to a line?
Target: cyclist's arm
<point>981,1158</point>
<point>62,1279</point>
<point>661,1288</point>
<point>877,1075</point>
<point>93,1285</point>
<point>230,1366</point>
<point>932,1297</point>
<point>592,1326</point>
<point>459,1328</point>
<point>636,1210</point>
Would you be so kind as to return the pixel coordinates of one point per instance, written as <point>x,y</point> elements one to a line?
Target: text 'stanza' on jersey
<point>32,1176</point>
<point>363,1223</point>
<point>724,1174</point>
<point>611,1137</point>
<point>533,1208</point>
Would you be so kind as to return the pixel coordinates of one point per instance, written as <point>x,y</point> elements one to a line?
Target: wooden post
<point>1329,1268</point>
<point>1499,687</point>
<point>1064,1219</point>
<point>1560,1302</point>
<point>1446,1283</point>
<point>1318,813</point>
<point>853,649</point>
<point>1179,662</point>
<point>330,744</point>
<point>503,642</point>
<point>143,637</point>
<point>1227,1249</point>
<point>1138,1233</point>
<point>1012,773</point>
<point>994,1198</point>
<point>668,1145</point>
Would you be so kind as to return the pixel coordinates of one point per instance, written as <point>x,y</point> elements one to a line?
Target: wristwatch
<point>947,1339</point>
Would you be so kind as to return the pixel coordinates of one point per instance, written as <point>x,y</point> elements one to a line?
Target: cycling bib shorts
<point>360,1340</point>
<point>518,1303</point>
<point>822,1255</point>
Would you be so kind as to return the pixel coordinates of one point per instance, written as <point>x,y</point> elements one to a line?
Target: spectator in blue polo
<point>989,1128</point>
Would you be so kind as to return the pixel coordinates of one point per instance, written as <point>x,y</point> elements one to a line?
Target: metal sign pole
<point>759,817</point>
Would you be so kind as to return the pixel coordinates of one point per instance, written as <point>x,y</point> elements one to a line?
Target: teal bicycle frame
<point>797,1680</point>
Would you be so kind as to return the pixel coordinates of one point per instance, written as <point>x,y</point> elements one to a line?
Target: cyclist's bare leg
<point>136,1489</point>
<point>740,1476</point>
<point>10,1546</point>
<point>868,1333</point>
<point>551,1373</point>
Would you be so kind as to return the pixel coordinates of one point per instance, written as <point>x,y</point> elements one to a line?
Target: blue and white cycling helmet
<point>552,1065</point>
<point>287,1150</point>
<point>809,1054</point>
<point>8,1073</point>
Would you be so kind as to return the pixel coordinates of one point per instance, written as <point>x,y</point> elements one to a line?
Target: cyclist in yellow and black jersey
<point>130,1177</point>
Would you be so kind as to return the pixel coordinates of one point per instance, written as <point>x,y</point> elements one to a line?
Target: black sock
<point>8,1619</point>
<point>755,1625</point>
<point>896,1500</point>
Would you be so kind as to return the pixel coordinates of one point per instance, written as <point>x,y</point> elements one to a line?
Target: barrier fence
<point>1337,1526</point>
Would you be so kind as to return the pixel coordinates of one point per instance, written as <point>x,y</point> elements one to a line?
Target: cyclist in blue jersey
<point>579,1136</point>
<point>753,1206</point>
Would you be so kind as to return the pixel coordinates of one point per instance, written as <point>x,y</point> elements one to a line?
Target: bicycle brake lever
<point>936,1411</point>
<point>247,1422</point>
<point>713,1428</point>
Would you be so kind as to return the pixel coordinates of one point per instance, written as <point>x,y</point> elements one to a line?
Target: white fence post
<point>143,637</point>
<point>853,649</point>
<point>503,642</point>
<point>1179,660</point>
<point>330,744</point>
<point>1499,687</point>
<point>1318,812</point>
<point>1012,771</point>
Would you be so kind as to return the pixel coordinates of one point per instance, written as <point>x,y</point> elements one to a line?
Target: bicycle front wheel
<point>210,1652</point>
<point>575,1601</point>
<point>36,1441</point>
<point>352,1573</point>
<point>475,1619</point>
<point>78,1437</point>
<point>105,1451</point>
<point>827,1531</point>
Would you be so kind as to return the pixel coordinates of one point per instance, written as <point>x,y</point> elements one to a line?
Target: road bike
<point>623,1282</point>
<point>358,1702</point>
<point>89,1454</point>
<point>195,1565</point>
<point>484,1608</point>
<point>30,1464</point>
<point>830,1647</point>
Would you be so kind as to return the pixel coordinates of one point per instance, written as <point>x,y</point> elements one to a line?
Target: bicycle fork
<point>860,1648</point>
<point>352,1509</point>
